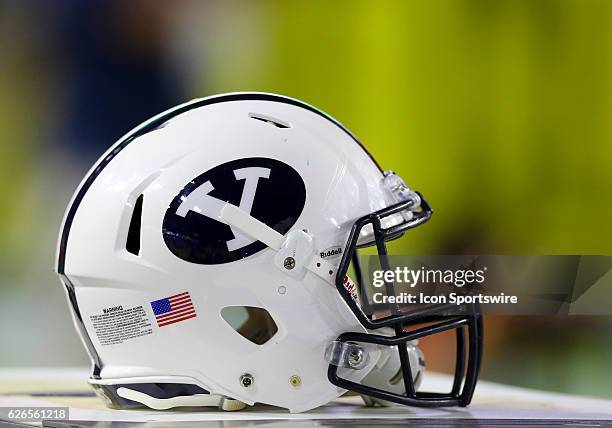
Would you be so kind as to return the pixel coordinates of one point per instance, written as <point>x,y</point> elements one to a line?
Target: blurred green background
<point>498,111</point>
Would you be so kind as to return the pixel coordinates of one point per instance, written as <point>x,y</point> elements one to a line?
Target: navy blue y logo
<point>269,190</point>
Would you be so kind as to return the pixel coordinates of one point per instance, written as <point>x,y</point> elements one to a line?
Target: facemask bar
<point>441,318</point>
<point>465,378</point>
<point>381,235</point>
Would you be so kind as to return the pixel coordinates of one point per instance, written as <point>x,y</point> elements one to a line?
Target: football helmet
<point>207,259</point>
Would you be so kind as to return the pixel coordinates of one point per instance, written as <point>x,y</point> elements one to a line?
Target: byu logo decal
<point>199,201</point>
<point>267,189</point>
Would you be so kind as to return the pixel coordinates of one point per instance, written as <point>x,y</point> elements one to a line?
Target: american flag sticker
<point>173,309</point>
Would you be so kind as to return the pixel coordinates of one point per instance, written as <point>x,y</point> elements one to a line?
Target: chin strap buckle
<point>295,250</point>
<point>297,254</point>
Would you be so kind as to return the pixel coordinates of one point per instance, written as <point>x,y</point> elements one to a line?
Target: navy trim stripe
<point>158,121</point>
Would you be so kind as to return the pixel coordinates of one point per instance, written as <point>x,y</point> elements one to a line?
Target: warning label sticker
<point>116,325</point>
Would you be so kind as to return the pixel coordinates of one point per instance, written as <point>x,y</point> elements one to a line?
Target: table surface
<point>44,387</point>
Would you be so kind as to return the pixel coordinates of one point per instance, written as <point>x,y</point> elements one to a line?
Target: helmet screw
<point>289,263</point>
<point>295,381</point>
<point>246,380</point>
<point>355,357</point>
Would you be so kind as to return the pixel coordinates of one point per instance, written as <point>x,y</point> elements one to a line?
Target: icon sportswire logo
<point>267,189</point>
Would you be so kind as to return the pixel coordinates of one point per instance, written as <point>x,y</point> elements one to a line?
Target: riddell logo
<point>330,252</point>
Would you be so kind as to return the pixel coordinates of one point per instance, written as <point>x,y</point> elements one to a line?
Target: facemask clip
<point>400,190</point>
<point>348,355</point>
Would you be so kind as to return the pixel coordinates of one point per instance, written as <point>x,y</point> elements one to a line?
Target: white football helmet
<point>205,259</point>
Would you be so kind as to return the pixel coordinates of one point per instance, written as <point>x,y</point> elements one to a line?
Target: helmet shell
<point>156,162</point>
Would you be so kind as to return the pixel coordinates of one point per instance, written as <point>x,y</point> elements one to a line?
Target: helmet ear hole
<point>254,324</point>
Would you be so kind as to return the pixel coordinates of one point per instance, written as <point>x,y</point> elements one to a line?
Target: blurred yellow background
<point>499,112</point>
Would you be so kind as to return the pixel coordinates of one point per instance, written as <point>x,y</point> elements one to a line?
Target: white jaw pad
<point>197,400</point>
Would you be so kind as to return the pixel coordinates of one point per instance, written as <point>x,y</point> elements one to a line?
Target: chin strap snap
<point>196,400</point>
<point>295,250</point>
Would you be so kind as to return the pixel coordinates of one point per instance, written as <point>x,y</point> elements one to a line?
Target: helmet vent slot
<point>254,324</point>
<point>271,120</point>
<point>132,244</point>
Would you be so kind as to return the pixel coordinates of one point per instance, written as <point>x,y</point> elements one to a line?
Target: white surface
<point>491,401</point>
